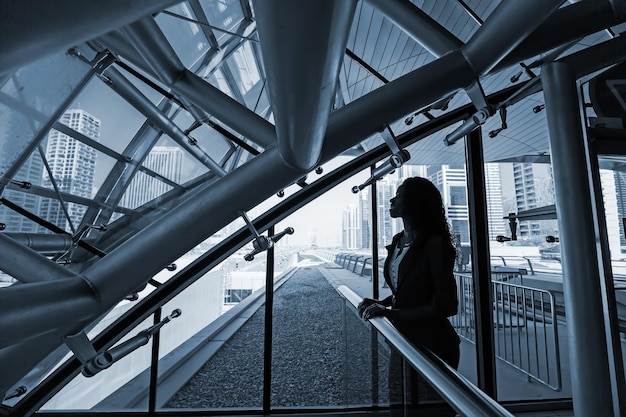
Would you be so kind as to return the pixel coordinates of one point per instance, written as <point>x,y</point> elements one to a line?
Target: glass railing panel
<point>366,362</point>
<point>99,391</point>
<point>211,357</point>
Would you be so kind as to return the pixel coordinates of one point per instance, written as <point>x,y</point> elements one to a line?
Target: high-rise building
<point>533,188</point>
<point>451,182</point>
<point>73,165</point>
<point>495,211</point>
<point>164,160</point>
<point>13,137</point>
<point>351,227</point>
<point>365,209</point>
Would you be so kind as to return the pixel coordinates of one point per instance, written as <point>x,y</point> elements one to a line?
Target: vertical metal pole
<point>374,217</point>
<point>608,289</point>
<point>267,344</point>
<point>481,272</point>
<point>591,389</point>
<point>375,290</point>
<point>154,365</point>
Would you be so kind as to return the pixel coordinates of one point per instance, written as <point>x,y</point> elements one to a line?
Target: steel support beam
<point>135,98</point>
<point>20,44</point>
<point>26,265</point>
<point>422,28</point>
<point>589,365</point>
<point>303,45</point>
<point>508,25</point>
<point>154,48</point>
<point>566,24</point>
<point>134,262</point>
<point>43,242</point>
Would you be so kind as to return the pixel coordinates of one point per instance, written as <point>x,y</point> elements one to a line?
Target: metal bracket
<point>396,160</point>
<point>94,362</point>
<point>262,243</point>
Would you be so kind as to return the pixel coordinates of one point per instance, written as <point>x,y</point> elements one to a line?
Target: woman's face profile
<point>396,208</point>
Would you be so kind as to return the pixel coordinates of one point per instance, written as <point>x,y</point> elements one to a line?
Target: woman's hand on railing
<point>366,302</point>
<point>375,310</point>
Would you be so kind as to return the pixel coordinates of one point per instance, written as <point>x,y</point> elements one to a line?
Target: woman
<point>419,271</point>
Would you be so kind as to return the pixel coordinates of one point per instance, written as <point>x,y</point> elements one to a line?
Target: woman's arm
<point>444,301</point>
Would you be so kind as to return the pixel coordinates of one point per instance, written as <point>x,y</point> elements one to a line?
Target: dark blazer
<point>425,296</point>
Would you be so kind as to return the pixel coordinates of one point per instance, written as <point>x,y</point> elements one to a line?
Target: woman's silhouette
<point>419,271</point>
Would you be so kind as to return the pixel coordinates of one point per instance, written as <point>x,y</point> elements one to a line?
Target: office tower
<point>620,194</point>
<point>495,212</point>
<point>450,180</point>
<point>164,160</point>
<point>533,188</point>
<point>611,211</point>
<point>387,226</point>
<point>72,164</point>
<point>13,135</point>
<point>351,227</point>
<point>365,209</point>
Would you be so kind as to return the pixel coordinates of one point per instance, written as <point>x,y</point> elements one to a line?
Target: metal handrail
<point>460,393</point>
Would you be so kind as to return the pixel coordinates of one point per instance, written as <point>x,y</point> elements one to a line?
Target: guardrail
<point>454,388</point>
<point>525,318</point>
<point>526,328</point>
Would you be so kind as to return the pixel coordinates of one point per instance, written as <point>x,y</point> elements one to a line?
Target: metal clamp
<point>396,160</point>
<point>262,243</point>
<point>94,362</point>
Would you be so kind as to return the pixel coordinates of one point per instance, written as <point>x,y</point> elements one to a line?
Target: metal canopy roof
<point>254,96</point>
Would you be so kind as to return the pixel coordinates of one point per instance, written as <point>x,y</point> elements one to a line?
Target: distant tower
<point>166,161</point>
<point>365,209</point>
<point>73,166</point>
<point>495,211</point>
<point>533,188</point>
<point>451,182</point>
<point>351,227</point>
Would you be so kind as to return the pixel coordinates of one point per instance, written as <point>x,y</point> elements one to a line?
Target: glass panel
<point>116,120</point>
<point>227,342</point>
<point>30,97</point>
<point>367,362</point>
<point>187,38</point>
<point>101,392</point>
<point>613,179</point>
<point>224,15</point>
<point>243,66</point>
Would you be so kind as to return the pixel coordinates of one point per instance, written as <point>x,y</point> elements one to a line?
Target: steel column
<point>418,25</point>
<point>303,45</point>
<point>20,44</point>
<point>374,240</point>
<point>591,388</point>
<point>481,268</point>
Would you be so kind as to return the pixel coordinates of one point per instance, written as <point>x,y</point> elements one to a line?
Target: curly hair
<point>425,210</point>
